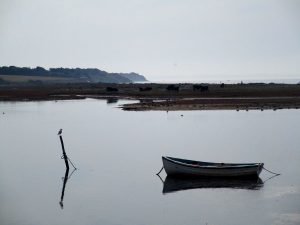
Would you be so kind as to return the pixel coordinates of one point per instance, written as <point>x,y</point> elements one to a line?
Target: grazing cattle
<point>200,87</point>
<point>145,89</point>
<point>146,100</point>
<point>172,87</point>
<point>111,89</point>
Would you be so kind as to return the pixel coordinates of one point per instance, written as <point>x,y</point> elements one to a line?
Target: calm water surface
<point>118,154</point>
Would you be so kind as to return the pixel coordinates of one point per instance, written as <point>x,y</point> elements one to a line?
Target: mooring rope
<point>271,178</point>
<point>71,163</point>
<point>160,171</point>
<point>271,171</point>
<point>160,178</point>
<point>62,157</point>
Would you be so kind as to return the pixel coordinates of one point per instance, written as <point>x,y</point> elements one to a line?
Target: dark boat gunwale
<point>210,165</point>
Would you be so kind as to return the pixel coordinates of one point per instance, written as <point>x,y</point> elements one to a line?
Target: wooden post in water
<point>64,153</point>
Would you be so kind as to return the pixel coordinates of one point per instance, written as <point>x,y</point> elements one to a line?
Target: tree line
<point>58,72</point>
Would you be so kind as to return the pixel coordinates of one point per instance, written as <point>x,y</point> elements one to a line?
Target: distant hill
<point>134,77</point>
<point>66,75</point>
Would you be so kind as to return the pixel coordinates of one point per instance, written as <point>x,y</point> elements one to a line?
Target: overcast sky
<point>161,39</point>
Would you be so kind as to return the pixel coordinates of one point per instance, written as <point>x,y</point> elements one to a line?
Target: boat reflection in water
<point>65,179</point>
<point>180,183</point>
<point>112,100</point>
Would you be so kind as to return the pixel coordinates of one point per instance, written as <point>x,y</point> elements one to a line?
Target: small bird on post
<point>59,132</point>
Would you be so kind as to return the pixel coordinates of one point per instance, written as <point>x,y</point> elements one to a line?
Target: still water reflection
<point>112,100</point>
<point>118,154</point>
<point>65,179</point>
<point>174,184</point>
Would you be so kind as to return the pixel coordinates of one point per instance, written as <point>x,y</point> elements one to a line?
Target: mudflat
<point>153,96</point>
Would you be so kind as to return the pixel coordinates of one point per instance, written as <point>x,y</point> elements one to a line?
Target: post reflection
<point>65,179</point>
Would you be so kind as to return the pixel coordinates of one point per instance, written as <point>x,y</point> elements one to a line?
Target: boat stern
<point>259,168</point>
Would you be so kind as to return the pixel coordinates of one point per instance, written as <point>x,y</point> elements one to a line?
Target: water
<point>118,154</point>
<point>228,81</point>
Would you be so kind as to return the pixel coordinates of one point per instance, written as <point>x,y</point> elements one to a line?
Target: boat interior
<point>200,163</point>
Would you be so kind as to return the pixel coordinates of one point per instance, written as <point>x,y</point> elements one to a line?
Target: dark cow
<point>145,89</point>
<point>111,89</point>
<point>146,100</point>
<point>200,87</point>
<point>172,87</point>
<point>197,87</point>
<point>222,85</point>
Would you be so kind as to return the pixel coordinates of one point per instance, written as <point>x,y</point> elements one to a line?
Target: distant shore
<point>261,103</point>
<point>167,97</point>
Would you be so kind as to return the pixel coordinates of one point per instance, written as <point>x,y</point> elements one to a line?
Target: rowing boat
<point>176,166</point>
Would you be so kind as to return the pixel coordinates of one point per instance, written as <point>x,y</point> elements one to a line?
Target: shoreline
<point>272,103</point>
<point>166,97</point>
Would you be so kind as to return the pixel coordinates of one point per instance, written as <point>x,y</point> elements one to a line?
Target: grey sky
<point>162,39</point>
